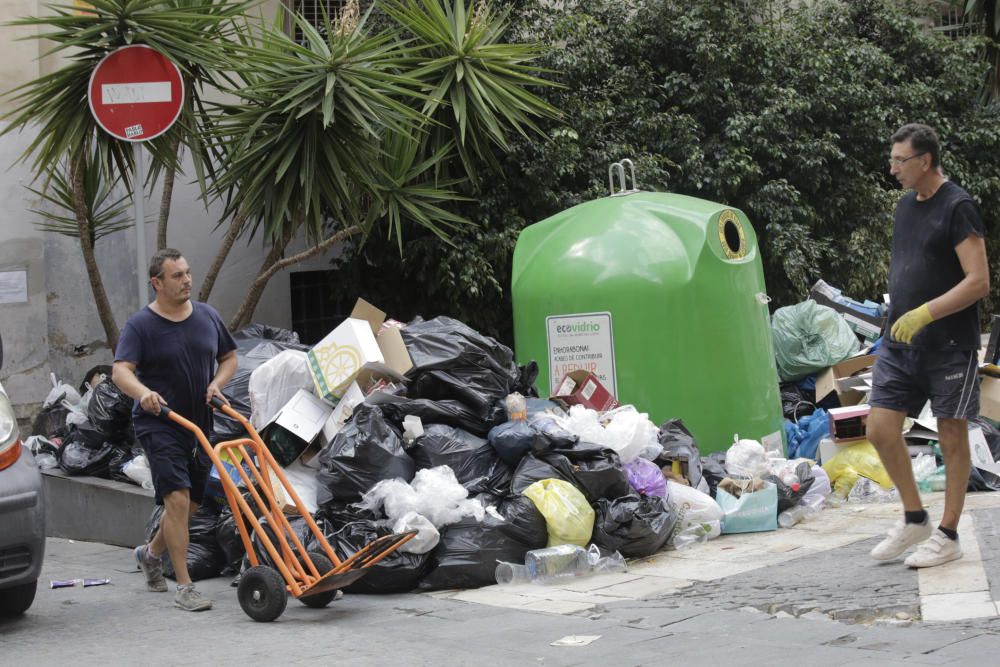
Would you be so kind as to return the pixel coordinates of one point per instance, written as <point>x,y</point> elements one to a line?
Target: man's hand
<point>214,391</point>
<point>910,323</point>
<point>151,402</point>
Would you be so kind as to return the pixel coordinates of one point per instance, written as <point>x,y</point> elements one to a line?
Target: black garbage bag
<point>120,457</point>
<point>538,406</point>
<point>713,470</point>
<point>452,413</point>
<point>302,532</point>
<point>453,361</point>
<point>527,375</point>
<point>679,445</point>
<point>637,526</point>
<point>469,456</point>
<point>550,434</point>
<point>982,480</point>
<point>51,421</point>
<point>205,558</point>
<point>252,334</point>
<point>787,496</point>
<point>595,470</point>
<point>467,555</point>
<point>496,482</point>
<point>398,572</point>
<point>367,450</point>
<point>86,452</point>
<point>110,411</point>
<point>512,440</point>
<point>795,402</point>
<point>92,374</point>
<point>227,535</point>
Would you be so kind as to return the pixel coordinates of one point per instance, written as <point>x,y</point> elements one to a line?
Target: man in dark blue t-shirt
<point>937,275</point>
<point>178,353</point>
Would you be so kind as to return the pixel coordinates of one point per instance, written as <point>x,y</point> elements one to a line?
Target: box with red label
<point>583,388</point>
<point>850,423</point>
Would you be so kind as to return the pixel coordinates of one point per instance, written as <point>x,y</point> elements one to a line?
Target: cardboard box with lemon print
<point>336,360</point>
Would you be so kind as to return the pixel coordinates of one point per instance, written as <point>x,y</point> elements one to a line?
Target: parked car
<point>22,515</point>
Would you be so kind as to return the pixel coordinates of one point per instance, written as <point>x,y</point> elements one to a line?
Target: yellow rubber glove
<point>910,323</point>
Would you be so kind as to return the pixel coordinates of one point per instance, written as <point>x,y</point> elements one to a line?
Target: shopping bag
<point>752,512</point>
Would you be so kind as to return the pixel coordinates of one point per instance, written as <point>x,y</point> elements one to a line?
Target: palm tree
<point>194,34</point>
<point>351,128</point>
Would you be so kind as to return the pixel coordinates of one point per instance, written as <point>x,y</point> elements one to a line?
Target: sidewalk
<point>862,590</point>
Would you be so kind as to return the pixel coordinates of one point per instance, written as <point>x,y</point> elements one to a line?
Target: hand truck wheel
<point>262,593</point>
<point>320,600</point>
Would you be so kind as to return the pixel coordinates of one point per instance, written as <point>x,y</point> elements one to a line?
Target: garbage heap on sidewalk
<point>825,349</point>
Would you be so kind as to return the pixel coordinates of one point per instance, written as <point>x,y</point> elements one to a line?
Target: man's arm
<point>227,368</point>
<point>123,375</point>
<point>976,284</point>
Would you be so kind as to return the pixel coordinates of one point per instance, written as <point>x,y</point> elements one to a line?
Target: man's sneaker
<point>152,568</point>
<point>189,599</point>
<point>938,549</point>
<point>901,537</point>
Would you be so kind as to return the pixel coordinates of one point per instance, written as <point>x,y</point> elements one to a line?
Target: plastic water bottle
<point>565,560</point>
<point>793,515</point>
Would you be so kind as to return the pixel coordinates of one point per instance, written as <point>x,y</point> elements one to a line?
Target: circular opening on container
<point>731,235</point>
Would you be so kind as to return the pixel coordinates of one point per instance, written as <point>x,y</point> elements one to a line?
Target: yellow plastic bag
<point>568,516</point>
<point>852,462</point>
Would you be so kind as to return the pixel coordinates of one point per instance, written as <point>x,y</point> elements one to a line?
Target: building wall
<point>58,330</point>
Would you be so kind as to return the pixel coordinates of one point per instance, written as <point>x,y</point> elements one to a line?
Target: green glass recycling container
<point>662,297</point>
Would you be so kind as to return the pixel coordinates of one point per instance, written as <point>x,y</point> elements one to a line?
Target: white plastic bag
<point>747,458</point>
<point>629,432</point>
<point>274,383</point>
<point>427,535</point>
<point>434,493</point>
<point>60,391</point>
<point>137,470</point>
<point>699,517</point>
<point>304,483</point>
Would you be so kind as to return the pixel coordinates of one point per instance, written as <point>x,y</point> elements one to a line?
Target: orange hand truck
<point>314,578</point>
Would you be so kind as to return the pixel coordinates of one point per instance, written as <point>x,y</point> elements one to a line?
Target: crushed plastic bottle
<point>794,515</point>
<point>542,566</point>
<point>869,492</point>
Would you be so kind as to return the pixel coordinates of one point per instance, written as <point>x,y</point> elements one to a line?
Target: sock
<point>920,516</point>
<point>952,534</point>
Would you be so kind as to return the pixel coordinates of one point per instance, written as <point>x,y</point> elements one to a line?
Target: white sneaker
<point>901,537</point>
<point>937,550</point>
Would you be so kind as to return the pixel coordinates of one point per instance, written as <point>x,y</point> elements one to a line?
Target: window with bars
<point>953,24</point>
<point>313,11</point>
<point>315,308</point>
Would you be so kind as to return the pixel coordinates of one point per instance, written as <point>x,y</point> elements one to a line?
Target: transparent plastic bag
<point>274,383</point>
<point>427,535</point>
<point>747,458</point>
<point>434,494</point>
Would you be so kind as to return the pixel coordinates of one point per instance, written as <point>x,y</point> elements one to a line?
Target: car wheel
<point>17,599</point>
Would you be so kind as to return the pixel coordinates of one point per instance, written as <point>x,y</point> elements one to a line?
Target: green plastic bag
<point>809,337</point>
<point>568,516</point>
<point>752,512</point>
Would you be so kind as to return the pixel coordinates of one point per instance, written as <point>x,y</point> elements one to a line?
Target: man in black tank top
<point>937,275</point>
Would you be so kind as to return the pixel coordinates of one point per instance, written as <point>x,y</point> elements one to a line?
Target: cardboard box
<point>302,419</point>
<point>989,398</point>
<point>866,326</point>
<point>583,388</point>
<point>360,340</point>
<point>826,382</point>
<point>849,424</point>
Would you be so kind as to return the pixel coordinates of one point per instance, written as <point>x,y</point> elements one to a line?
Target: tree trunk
<point>77,167</point>
<point>273,264</point>
<point>220,257</point>
<point>168,193</point>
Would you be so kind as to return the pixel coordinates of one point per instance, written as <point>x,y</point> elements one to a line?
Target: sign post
<point>135,95</point>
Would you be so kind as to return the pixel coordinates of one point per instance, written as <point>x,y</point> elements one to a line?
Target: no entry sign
<point>135,93</point>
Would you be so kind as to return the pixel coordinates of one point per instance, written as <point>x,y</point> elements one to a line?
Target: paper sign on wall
<point>583,341</point>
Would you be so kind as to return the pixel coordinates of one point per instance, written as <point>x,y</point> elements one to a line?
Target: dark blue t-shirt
<point>925,265</point>
<point>176,360</point>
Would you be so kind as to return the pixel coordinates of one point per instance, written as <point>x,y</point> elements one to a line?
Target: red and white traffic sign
<point>135,93</point>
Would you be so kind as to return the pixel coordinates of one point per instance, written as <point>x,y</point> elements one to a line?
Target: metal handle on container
<point>619,168</point>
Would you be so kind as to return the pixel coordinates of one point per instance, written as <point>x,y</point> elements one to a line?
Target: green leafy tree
<point>782,111</point>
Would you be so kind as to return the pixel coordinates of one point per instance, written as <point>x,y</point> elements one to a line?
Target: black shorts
<point>176,462</point>
<point>904,379</point>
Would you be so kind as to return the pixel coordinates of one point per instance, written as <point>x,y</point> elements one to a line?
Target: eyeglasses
<point>899,161</point>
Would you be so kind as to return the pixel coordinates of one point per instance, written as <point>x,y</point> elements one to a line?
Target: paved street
<point>808,594</point>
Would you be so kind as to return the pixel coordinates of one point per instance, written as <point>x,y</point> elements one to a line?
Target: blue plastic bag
<point>753,512</point>
<point>804,436</point>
